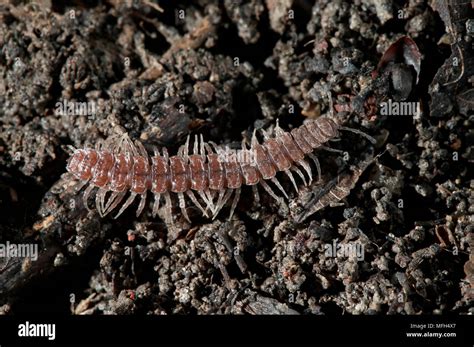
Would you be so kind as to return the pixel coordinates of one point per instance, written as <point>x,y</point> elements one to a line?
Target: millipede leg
<point>126,204</point>
<point>329,149</point>
<point>219,200</point>
<point>102,202</point>
<point>119,145</point>
<point>141,205</point>
<point>234,202</point>
<point>156,205</point>
<point>205,198</point>
<point>70,149</point>
<point>128,146</point>
<point>169,211</point>
<point>195,201</point>
<point>270,191</point>
<point>361,133</point>
<point>86,195</point>
<point>208,148</point>
<point>316,162</point>
<point>99,201</point>
<point>124,147</point>
<point>254,140</point>
<point>275,182</point>
<point>202,146</point>
<point>244,144</point>
<point>111,142</point>
<point>331,104</point>
<point>165,154</point>
<point>278,131</point>
<point>132,147</point>
<point>210,199</point>
<point>182,206</point>
<point>307,168</point>
<point>214,146</point>
<point>116,143</point>
<point>113,201</point>
<point>196,145</point>
<point>265,134</point>
<point>222,202</point>
<point>256,196</point>
<point>142,149</point>
<point>299,173</point>
<point>184,149</point>
<point>292,179</point>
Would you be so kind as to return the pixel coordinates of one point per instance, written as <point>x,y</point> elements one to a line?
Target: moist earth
<point>163,71</point>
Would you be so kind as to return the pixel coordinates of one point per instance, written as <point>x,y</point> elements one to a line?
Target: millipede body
<point>207,175</point>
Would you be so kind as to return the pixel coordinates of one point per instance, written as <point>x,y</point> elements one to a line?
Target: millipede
<point>205,175</point>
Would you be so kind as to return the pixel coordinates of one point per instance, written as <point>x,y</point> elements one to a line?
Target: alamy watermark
<point>353,250</point>
<point>19,250</point>
<point>76,108</point>
<point>400,108</point>
<point>28,329</point>
<point>228,155</point>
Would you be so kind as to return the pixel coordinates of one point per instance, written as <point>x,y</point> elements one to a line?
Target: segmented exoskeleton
<point>205,176</point>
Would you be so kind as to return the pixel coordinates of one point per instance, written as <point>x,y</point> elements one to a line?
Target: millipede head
<point>74,161</point>
<point>328,127</point>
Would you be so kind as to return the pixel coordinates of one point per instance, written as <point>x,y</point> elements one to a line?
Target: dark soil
<point>223,69</point>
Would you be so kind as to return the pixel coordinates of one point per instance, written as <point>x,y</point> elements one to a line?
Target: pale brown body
<point>127,167</point>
